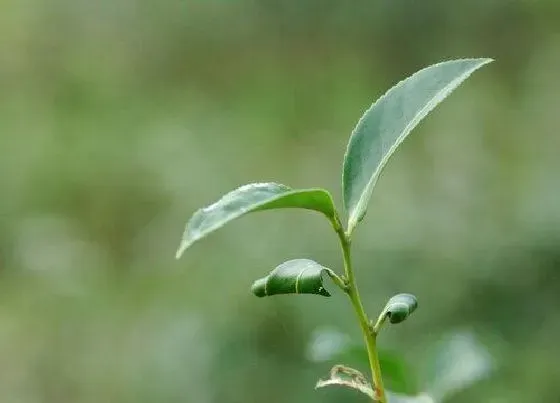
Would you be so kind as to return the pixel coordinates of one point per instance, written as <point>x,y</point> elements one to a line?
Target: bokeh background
<point>118,118</point>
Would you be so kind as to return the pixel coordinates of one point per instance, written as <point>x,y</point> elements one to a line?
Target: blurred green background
<point>118,118</point>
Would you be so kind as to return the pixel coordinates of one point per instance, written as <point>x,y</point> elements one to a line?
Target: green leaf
<point>399,307</point>
<point>251,198</point>
<point>298,276</point>
<point>386,124</point>
<point>341,375</point>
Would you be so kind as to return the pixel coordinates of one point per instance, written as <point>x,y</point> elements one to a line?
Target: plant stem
<point>369,336</point>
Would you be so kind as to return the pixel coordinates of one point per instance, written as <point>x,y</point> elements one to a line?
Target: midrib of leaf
<point>257,207</point>
<point>369,188</point>
<point>298,278</point>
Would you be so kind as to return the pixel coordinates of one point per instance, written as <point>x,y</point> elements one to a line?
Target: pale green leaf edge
<point>354,218</point>
<point>187,242</point>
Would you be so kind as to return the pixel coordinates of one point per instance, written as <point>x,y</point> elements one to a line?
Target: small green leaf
<point>399,307</point>
<point>387,123</point>
<point>341,375</point>
<point>298,276</point>
<point>251,198</point>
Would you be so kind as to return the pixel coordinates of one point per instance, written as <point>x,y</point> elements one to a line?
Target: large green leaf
<point>250,198</point>
<point>386,124</point>
<point>298,276</point>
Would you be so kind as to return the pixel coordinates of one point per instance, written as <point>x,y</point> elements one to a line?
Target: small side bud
<point>399,307</point>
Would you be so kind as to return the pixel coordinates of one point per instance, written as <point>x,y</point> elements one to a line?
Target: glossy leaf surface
<point>251,198</point>
<point>298,276</point>
<point>399,307</point>
<point>387,123</point>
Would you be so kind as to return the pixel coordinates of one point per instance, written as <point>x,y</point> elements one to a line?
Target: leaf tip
<point>181,249</point>
<point>485,60</point>
<point>259,287</point>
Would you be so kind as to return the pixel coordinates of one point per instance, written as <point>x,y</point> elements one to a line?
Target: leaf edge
<point>184,244</point>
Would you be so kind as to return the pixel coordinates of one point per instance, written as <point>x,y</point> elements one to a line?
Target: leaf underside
<point>387,123</point>
<point>298,276</point>
<point>341,375</point>
<point>251,198</point>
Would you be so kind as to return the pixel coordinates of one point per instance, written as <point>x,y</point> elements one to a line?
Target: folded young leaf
<point>348,377</point>
<point>399,307</point>
<point>298,276</point>
<point>250,198</point>
<point>386,124</point>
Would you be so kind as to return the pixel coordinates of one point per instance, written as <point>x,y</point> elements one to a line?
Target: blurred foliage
<point>118,118</point>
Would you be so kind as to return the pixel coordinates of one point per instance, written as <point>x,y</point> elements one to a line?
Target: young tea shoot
<point>379,132</point>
